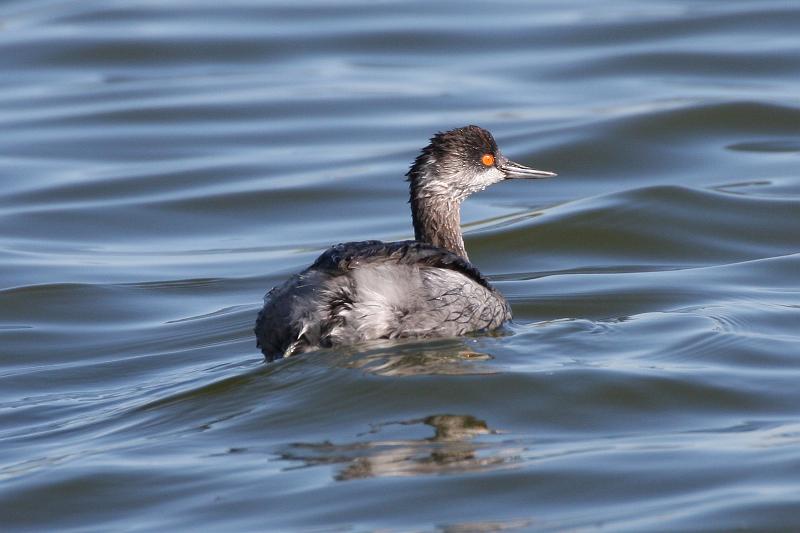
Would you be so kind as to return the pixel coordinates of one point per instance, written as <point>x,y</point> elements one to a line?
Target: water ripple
<point>165,163</point>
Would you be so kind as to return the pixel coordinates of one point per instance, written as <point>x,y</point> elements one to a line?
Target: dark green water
<point>164,163</point>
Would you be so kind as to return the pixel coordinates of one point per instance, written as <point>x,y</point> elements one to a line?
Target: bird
<point>423,288</point>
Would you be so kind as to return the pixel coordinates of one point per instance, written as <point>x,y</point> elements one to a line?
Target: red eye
<point>487,159</point>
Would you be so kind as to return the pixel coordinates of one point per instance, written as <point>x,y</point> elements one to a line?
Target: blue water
<point>163,164</point>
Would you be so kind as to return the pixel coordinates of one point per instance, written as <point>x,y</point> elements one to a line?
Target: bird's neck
<point>437,221</point>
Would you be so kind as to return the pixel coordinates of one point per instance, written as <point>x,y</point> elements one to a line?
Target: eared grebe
<point>360,291</point>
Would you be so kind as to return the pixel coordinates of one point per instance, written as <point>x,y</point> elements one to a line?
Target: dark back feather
<point>350,255</point>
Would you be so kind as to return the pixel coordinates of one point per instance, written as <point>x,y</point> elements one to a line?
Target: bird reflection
<point>451,449</point>
<point>445,357</point>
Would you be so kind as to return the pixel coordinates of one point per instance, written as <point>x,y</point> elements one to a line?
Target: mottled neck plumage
<point>438,222</point>
<point>435,210</point>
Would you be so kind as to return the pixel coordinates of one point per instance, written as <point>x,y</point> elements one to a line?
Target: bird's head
<point>462,161</point>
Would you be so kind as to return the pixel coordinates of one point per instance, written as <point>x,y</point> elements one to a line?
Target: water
<point>163,164</point>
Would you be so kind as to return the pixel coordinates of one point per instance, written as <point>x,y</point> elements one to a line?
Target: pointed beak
<point>516,171</point>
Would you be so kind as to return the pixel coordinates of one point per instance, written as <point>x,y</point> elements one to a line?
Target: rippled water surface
<point>164,163</point>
